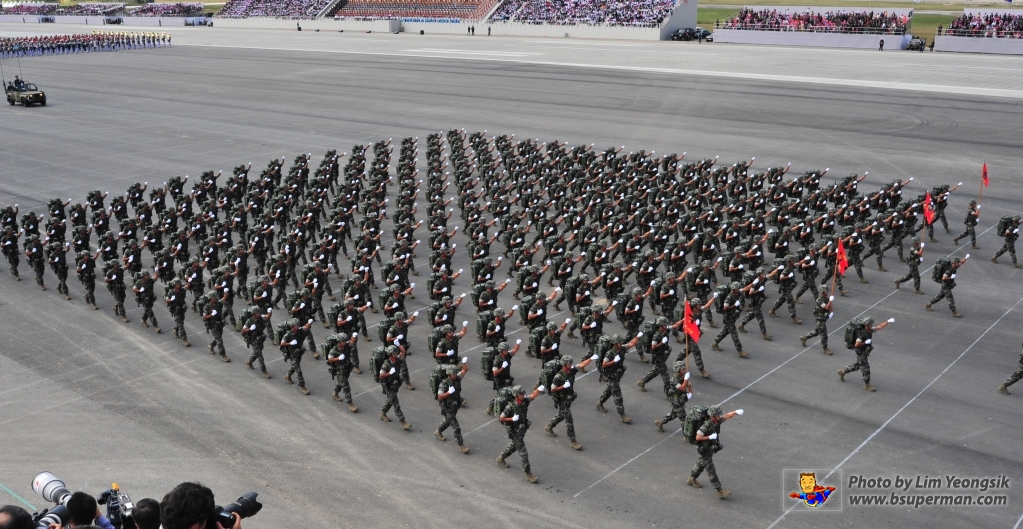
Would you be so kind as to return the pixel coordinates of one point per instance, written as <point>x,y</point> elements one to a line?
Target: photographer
<point>14,517</point>
<point>146,514</point>
<point>191,506</point>
<point>84,511</point>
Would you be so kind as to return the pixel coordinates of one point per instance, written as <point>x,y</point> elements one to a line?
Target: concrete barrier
<point>978,45</point>
<point>819,40</point>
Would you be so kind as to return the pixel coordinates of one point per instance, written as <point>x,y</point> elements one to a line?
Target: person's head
<point>807,481</point>
<point>82,509</point>
<point>14,517</point>
<point>146,514</point>
<point>188,506</point>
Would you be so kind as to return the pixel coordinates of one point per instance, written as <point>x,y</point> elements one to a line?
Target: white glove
<point>515,307</point>
<point>967,256</point>
<point>342,357</point>
<point>568,384</point>
<point>515,418</point>
<point>740,267</point>
<point>739,411</point>
<point>518,342</point>
<point>664,340</point>
<point>445,318</point>
<point>416,313</point>
<point>451,352</point>
<point>143,289</point>
<point>451,390</point>
<point>618,358</point>
<point>399,337</point>
<point>587,293</point>
<point>391,371</point>
<point>953,276</point>
<point>671,292</point>
<point>554,347</point>
<point>539,312</point>
<point>689,395</point>
<point>595,358</point>
<point>463,295</point>
<point>713,437</point>
<point>614,303</point>
<point>761,289</point>
<point>213,312</point>
<point>173,298</point>
<point>867,342</point>
<point>445,289</point>
<point>465,359</point>
<point>504,364</point>
<point>686,377</point>
<point>541,388</point>
<point>252,327</point>
<point>497,328</point>
<point>356,297</point>
<point>294,342</point>
<point>831,298</point>
<point>568,320</point>
<point>715,295</point>
<point>891,320</point>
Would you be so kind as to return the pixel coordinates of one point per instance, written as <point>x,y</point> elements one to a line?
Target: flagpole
<point>981,195</point>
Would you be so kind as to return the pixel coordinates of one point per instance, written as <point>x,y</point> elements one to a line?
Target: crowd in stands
<point>570,12</point>
<point>831,21</point>
<point>392,9</point>
<point>999,25</point>
<point>273,8</point>
<point>91,10</point>
<point>168,10</point>
<point>29,9</point>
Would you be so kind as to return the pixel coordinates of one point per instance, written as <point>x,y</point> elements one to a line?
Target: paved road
<point>96,400</point>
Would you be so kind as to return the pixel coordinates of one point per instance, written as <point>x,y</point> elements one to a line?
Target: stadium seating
<point>79,10</point>
<point>870,22</point>
<point>273,8</point>
<point>168,10</point>
<point>612,13</point>
<point>996,25</point>
<point>29,9</point>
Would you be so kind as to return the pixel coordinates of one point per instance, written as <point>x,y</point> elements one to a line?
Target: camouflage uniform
<point>517,432</point>
<point>915,258</point>
<point>1015,377</point>
<point>391,385</point>
<point>677,397</point>
<point>450,405</point>
<point>614,374</point>
<point>706,450</point>
<point>821,315</point>
<point>563,399</point>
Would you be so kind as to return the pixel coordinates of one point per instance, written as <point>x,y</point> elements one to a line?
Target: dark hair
<point>17,518</point>
<point>186,505</point>
<point>146,514</point>
<point>82,508</point>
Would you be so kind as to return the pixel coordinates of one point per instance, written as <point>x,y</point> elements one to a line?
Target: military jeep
<point>26,94</point>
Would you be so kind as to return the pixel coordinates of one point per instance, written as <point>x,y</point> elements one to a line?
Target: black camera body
<point>119,506</point>
<point>245,506</point>
<point>57,515</point>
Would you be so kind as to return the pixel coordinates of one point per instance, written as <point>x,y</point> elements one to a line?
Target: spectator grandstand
<point>168,10</point>
<point>642,13</point>
<point>297,9</point>
<point>29,9</point>
<point>843,21</point>
<point>992,25</point>
<point>421,9</point>
<point>79,10</point>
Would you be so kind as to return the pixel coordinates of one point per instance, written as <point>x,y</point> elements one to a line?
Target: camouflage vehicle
<point>26,94</point>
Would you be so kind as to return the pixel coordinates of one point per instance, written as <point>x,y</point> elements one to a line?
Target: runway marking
<point>474,52</point>
<point>911,401</point>
<point>751,384</point>
<point>29,505</point>
<point>846,83</point>
<point>1020,520</point>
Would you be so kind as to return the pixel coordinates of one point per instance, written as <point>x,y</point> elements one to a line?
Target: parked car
<point>688,34</point>
<point>916,44</point>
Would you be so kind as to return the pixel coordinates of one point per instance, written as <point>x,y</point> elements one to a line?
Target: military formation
<point>82,43</point>
<point>665,244</point>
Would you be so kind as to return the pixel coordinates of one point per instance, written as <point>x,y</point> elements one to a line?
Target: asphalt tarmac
<point>95,400</point>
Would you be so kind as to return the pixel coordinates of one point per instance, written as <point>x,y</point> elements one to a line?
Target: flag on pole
<point>983,175</point>
<point>841,260</point>
<point>928,209</point>
<point>689,326</point>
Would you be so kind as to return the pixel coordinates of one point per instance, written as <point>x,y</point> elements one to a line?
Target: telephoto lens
<point>246,506</point>
<point>51,488</point>
<point>57,515</point>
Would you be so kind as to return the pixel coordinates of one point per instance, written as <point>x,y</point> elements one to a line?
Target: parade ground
<point>96,401</point>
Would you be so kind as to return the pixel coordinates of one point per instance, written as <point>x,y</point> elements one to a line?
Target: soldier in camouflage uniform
<point>450,400</point>
<point>564,394</point>
<point>175,299</point>
<point>9,243</point>
<point>1015,377</point>
<point>339,363</point>
<point>57,257</point>
<point>786,277</point>
<point>291,346</point>
<point>115,284</point>
<point>254,331</point>
<point>948,282</point>
<point>756,296</point>
<point>707,444</point>
<point>390,379</point>
<point>514,418</point>
<point>862,347</point>
<point>732,308</point>
<point>612,366</point>
<point>35,255</point>
<point>145,295</point>
<point>679,392</point>
<point>1010,235</point>
<point>972,218</point>
<point>821,314</point>
<point>213,315</point>
<point>916,253</point>
<point>660,350</point>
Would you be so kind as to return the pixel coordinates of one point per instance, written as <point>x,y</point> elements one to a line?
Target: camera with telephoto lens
<point>245,506</point>
<point>57,515</point>
<point>119,506</point>
<point>51,488</point>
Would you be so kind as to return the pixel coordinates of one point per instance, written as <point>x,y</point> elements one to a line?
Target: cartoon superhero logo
<point>812,494</point>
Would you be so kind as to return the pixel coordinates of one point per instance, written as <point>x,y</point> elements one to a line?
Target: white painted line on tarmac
<point>911,401</point>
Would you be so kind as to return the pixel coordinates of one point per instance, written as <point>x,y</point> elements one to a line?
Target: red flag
<point>983,175</point>
<point>842,260</point>
<point>689,326</point>
<point>928,209</point>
